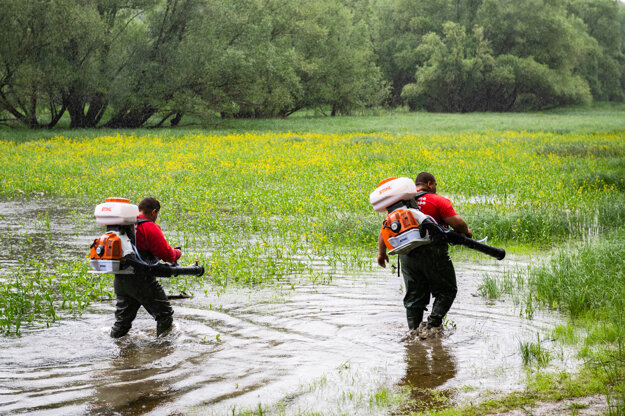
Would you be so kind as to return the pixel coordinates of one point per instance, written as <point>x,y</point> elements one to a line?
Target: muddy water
<point>300,349</point>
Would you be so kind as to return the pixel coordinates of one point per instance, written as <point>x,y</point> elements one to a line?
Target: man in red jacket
<point>428,270</point>
<point>136,290</point>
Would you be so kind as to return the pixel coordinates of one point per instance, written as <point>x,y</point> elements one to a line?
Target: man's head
<point>426,182</point>
<point>149,208</point>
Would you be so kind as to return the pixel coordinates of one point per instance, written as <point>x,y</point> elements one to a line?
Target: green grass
<point>36,292</point>
<point>261,207</point>
<point>598,117</point>
<point>586,281</point>
<point>489,287</point>
<point>534,353</point>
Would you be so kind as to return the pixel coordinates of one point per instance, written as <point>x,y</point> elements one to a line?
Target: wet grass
<point>534,353</point>
<point>598,117</point>
<point>39,293</point>
<point>542,387</point>
<point>314,191</point>
<point>489,288</point>
<point>586,281</point>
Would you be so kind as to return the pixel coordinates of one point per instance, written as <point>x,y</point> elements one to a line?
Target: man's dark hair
<point>423,178</point>
<point>148,204</point>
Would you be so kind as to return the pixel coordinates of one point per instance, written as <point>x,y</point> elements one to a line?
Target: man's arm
<point>382,256</point>
<point>158,246</point>
<point>458,224</point>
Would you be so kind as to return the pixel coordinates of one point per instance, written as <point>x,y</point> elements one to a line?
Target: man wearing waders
<point>136,290</point>
<point>428,270</point>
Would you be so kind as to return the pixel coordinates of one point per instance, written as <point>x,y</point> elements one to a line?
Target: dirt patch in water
<point>582,406</point>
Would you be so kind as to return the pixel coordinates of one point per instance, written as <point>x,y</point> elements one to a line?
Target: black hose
<point>167,270</point>
<point>161,269</point>
<point>454,237</point>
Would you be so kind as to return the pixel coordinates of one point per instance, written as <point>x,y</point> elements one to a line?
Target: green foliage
<point>119,64</point>
<point>590,279</point>
<point>127,63</point>
<point>604,65</point>
<point>496,55</point>
<point>453,71</point>
<point>460,74</point>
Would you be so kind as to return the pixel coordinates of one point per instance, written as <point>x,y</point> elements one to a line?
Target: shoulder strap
<point>142,221</point>
<point>414,203</point>
<point>145,254</point>
<point>420,194</point>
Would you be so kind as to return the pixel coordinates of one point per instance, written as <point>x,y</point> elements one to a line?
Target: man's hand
<point>382,259</point>
<point>459,225</point>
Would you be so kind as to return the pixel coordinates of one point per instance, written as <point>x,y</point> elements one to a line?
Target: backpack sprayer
<point>115,251</point>
<point>406,227</point>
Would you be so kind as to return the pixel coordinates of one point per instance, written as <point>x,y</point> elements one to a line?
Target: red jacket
<point>150,238</point>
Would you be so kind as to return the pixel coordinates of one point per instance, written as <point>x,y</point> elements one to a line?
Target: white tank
<point>391,191</point>
<point>116,211</point>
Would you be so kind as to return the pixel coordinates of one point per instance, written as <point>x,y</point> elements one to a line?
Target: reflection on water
<point>327,349</point>
<point>429,364</point>
<point>134,383</point>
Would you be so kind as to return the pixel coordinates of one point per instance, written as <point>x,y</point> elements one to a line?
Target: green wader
<point>135,291</point>
<point>428,270</point>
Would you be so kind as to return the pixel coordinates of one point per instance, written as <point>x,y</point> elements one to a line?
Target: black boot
<point>414,318</point>
<point>118,332</point>
<point>163,327</point>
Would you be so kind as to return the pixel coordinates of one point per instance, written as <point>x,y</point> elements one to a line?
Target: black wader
<point>428,270</point>
<point>134,291</point>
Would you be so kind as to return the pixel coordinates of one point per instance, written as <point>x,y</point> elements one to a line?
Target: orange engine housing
<point>397,222</point>
<point>107,247</point>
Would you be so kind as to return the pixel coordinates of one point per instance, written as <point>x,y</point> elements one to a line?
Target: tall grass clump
<point>588,283</point>
<point>589,280</point>
<point>489,287</point>
<point>34,293</point>
<point>534,352</point>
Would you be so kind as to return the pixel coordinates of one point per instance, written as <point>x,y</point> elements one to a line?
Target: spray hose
<point>161,269</point>
<point>456,238</point>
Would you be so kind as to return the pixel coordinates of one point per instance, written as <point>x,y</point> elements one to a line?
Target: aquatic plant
<point>35,292</point>
<point>489,287</point>
<point>533,352</point>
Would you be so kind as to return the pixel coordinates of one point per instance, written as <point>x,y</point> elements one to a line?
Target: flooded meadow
<point>293,346</point>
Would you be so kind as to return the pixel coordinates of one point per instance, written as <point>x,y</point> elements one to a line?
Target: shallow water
<point>310,348</point>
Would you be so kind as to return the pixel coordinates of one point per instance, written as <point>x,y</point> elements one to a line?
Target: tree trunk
<point>176,120</point>
<point>76,110</point>
<point>97,107</point>
<point>131,118</point>
<point>76,104</point>
<point>57,117</point>
<point>31,115</point>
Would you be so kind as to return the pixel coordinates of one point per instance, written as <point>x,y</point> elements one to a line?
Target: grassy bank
<point>586,282</point>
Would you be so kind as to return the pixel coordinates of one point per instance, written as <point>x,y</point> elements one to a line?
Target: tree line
<point>120,63</point>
